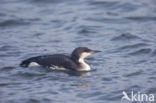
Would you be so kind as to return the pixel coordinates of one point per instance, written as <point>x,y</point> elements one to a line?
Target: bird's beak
<point>95,51</point>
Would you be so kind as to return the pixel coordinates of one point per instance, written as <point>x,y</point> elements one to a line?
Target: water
<point>124,30</point>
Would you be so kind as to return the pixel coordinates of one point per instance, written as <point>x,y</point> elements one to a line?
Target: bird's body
<point>62,62</point>
<point>50,61</point>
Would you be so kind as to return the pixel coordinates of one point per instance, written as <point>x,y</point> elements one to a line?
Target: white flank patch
<point>33,64</point>
<point>58,68</point>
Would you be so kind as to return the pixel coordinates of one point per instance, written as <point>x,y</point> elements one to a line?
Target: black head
<point>82,52</point>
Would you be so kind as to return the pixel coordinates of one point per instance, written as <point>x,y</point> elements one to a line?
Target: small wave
<point>134,87</point>
<point>105,4</point>
<point>141,52</point>
<point>133,73</point>
<point>141,19</point>
<point>151,90</point>
<point>81,40</point>
<point>7,68</point>
<point>110,97</point>
<point>127,7</point>
<point>33,100</point>
<point>86,31</point>
<point>13,23</point>
<point>133,46</point>
<point>10,83</point>
<point>29,75</point>
<point>2,14</point>
<point>108,20</point>
<point>106,79</point>
<point>116,5</point>
<point>141,61</point>
<point>152,78</point>
<point>48,1</point>
<point>5,47</point>
<point>90,95</point>
<point>80,85</point>
<point>125,36</point>
<point>4,84</point>
<point>154,52</point>
<point>128,48</point>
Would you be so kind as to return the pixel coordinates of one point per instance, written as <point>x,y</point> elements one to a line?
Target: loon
<point>62,62</point>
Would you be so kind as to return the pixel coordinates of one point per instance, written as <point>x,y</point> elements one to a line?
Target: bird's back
<point>52,60</point>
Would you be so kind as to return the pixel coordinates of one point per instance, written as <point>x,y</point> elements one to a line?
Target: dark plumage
<point>69,62</point>
<point>50,60</point>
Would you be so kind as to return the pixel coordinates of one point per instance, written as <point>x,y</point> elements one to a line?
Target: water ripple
<point>143,51</point>
<point>13,22</point>
<point>125,36</point>
<point>137,73</point>
<point>151,90</point>
<point>142,19</point>
<point>154,52</point>
<point>35,27</point>
<point>105,4</point>
<point>134,46</point>
<point>8,68</point>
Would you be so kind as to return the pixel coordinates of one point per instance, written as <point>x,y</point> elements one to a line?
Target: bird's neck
<point>83,65</point>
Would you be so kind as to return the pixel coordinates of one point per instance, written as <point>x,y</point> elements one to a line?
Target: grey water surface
<point>124,30</point>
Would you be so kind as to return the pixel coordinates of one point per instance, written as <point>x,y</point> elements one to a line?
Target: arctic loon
<point>58,61</point>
